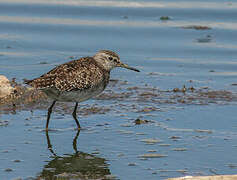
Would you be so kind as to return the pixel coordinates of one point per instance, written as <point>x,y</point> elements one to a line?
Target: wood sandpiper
<point>78,80</point>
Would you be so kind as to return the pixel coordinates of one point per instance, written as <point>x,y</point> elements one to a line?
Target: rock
<point>197,27</point>
<point>164,18</point>
<point>139,121</point>
<point>8,169</point>
<point>5,87</point>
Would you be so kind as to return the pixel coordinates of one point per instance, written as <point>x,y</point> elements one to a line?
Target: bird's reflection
<point>79,165</point>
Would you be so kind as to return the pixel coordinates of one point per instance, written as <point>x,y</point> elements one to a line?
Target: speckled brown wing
<point>79,74</point>
<point>42,82</point>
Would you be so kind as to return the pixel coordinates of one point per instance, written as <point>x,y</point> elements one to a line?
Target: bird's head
<point>109,60</point>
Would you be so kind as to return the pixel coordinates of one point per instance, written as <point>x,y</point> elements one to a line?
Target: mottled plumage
<point>78,80</point>
<point>76,76</point>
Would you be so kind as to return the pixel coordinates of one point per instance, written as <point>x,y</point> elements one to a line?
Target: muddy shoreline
<point>27,98</point>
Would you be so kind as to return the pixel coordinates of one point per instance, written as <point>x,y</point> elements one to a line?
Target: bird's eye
<point>110,58</point>
<point>115,60</point>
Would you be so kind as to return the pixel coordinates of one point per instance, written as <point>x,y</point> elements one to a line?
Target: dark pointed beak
<point>127,67</point>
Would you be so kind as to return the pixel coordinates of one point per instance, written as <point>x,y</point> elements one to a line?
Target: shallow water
<point>195,131</point>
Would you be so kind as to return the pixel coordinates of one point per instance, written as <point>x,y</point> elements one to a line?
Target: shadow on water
<point>79,165</point>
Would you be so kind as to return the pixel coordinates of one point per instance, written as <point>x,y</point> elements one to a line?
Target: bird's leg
<point>49,113</point>
<point>74,114</point>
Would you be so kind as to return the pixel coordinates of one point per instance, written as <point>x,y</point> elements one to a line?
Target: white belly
<point>74,96</point>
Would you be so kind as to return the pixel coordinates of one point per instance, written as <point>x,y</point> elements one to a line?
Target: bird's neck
<point>103,63</point>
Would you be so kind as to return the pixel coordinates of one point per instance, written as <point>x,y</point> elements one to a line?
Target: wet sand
<point>176,117</point>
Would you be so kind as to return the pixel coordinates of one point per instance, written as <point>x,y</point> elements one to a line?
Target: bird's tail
<point>27,81</point>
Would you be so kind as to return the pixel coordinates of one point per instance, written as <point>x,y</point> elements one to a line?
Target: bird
<point>78,80</point>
